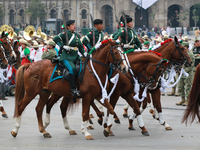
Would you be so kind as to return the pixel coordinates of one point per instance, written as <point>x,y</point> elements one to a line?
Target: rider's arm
<point>86,41</point>
<point>119,33</point>
<point>27,53</point>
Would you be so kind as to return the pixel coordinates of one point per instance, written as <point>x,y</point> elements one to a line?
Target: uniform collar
<point>70,31</point>
<point>97,30</point>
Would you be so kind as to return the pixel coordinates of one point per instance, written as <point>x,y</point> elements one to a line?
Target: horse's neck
<point>166,51</point>
<point>100,56</point>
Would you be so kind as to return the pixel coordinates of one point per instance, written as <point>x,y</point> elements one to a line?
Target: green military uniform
<point>185,83</point>
<point>196,51</point>
<point>88,39</point>
<point>70,55</point>
<point>50,54</point>
<point>133,41</point>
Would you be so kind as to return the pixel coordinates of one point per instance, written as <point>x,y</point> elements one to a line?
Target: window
<point>84,14</point>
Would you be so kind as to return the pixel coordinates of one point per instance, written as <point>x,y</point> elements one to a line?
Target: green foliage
<point>196,13</point>
<point>181,16</point>
<point>1,12</point>
<point>36,9</point>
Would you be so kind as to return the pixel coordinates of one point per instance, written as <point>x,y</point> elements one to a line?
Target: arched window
<point>84,14</point>
<point>21,13</point>
<point>66,14</point>
<point>53,13</point>
<point>12,17</point>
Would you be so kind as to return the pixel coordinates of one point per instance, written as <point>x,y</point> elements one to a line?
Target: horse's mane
<point>161,45</point>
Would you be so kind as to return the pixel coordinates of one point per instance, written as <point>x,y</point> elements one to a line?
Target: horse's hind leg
<point>98,112</point>
<point>21,106</point>
<point>54,98</point>
<point>63,108</point>
<point>155,94</point>
<point>44,94</point>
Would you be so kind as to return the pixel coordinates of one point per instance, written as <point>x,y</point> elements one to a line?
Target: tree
<point>196,13</point>
<point>181,16</point>
<point>35,10</point>
<point>1,13</point>
<point>195,17</point>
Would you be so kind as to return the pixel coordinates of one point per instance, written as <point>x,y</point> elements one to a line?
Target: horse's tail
<point>72,106</point>
<point>20,88</point>
<point>192,109</point>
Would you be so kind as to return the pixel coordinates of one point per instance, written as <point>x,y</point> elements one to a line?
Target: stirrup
<point>76,93</point>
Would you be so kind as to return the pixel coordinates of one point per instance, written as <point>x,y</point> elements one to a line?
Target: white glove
<point>126,45</point>
<point>85,54</point>
<point>66,47</point>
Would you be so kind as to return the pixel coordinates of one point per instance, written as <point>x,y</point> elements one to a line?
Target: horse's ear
<point>15,43</point>
<point>165,62</point>
<point>176,39</point>
<point>2,34</point>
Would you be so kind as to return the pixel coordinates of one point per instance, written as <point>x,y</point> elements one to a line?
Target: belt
<point>74,48</point>
<point>129,46</point>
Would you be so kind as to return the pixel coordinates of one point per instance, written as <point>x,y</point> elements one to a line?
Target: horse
<point>177,55</point>
<point>192,110</point>
<point>17,61</point>
<point>142,62</point>
<point>7,48</point>
<point>37,76</point>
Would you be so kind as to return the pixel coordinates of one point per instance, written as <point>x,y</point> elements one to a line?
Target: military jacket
<point>88,39</point>
<point>60,40</point>
<point>131,35</point>
<point>196,50</point>
<point>188,69</point>
<point>50,54</point>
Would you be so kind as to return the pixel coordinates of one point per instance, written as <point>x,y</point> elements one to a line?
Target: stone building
<point>159,14</point>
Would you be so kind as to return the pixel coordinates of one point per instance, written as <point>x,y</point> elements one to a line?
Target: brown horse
<point>37,76</point>
<point>17,61</point>
<point>177,55</point>
<point>7,48</point>
<point>144,63</point>
<point>192,110</point>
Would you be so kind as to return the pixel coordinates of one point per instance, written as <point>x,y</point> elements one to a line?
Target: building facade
<point>160,14</point>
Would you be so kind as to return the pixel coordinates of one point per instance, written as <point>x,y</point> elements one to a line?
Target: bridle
<point>149,82</point>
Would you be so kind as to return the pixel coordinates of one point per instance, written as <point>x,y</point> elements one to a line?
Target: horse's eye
<point>115,53</point>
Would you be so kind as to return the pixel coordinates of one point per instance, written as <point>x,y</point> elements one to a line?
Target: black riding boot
<point>72,83</point>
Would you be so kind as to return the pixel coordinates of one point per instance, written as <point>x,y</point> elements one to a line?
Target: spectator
<point>188,30</point>
<point>84,24</point>
<point>51,31</point>
<point>196,33</point>
<point>149,34</point>
<point>155,30</point>
<point>51,53</point>
<point>143,33</point>
<point>168,30</point>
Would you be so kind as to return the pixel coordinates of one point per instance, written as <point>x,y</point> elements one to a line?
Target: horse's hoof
<point>91,116</point>
<point>90,121</point>
<point>105,125</point>
<point>117,121</point>
<point>168,128</point>
<point>111,133</point>
<point>73,132</point>
<point>131,128</point>
<point>14,134</point>
<point>154,117</point>
<point>145,133</point>
<point>100,122</point>
<point>47,135</point>
<point>90,128</point>
<point>89,137</point>
<point>106,134</point>
<point>125,115</point>
<point>5,115</point>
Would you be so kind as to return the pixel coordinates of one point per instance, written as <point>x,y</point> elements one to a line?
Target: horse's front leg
<point>63,107</point>
<point>85,117</point>
<point>136,113</point>
<point>155,94</point>
<point>44,94</point>
<point>98,112</point>
<point>54,98</point>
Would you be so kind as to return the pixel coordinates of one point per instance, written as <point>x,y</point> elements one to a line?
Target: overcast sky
<point>145,3</point>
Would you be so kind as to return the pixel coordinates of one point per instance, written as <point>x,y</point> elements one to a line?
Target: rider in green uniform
<point>133,42</point>
<point>70,55</point>
<point>88,39</point>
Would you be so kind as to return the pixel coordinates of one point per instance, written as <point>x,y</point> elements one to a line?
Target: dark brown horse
<point>17,61</point>
<point>177,55</point>
<point>142,62</point>
<point>37,76</point>
<point>192,111</point>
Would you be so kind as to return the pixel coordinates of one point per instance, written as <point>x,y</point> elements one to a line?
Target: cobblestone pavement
<point>29,137</point>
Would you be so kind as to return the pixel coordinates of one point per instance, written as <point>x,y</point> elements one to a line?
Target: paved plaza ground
<point>29,137</point>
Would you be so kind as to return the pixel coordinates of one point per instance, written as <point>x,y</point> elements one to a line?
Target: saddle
<point>61,72</point>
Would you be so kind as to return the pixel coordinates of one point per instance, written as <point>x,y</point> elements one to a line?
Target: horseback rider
<point>133,42</point>
<point>69,55</point>
<point>88,39</point>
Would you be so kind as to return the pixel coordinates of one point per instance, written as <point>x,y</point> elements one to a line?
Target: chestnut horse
<point>37,76</point>
<point>17,61</point>
<point>141,62</point>
<point>192,111</point>
<point>7,48</point>
<point>177,55</point>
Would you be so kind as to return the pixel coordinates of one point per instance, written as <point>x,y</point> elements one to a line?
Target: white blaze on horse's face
<point>13,53</point>
<point>124,66</point>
